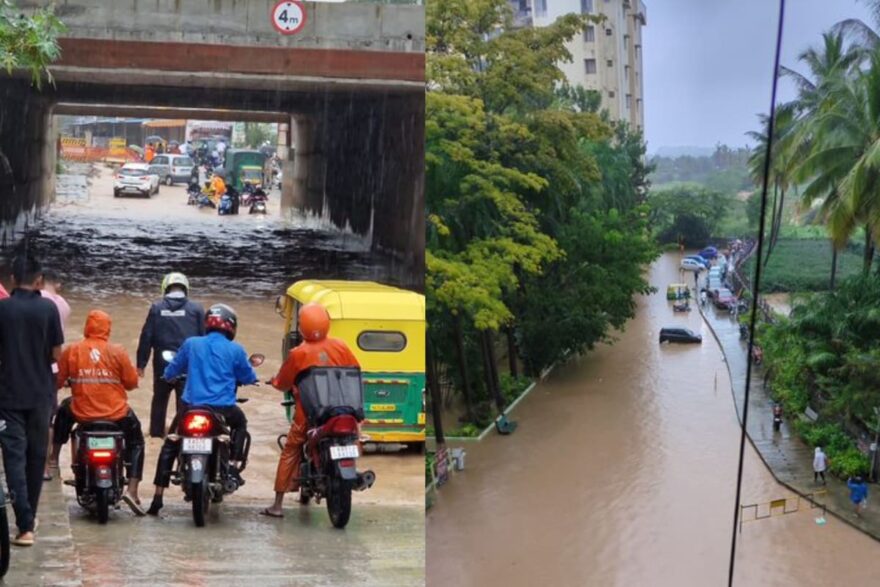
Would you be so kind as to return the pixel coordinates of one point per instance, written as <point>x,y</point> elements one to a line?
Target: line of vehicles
<point>382,402</point>
<point>241,168</point>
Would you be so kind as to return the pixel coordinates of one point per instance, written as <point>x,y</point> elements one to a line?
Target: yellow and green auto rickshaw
<point>678,291</point>
<point>385,328</point>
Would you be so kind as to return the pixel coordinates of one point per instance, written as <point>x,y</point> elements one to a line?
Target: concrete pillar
<point>24,117</point>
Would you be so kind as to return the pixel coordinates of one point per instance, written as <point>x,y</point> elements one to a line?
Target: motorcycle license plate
<point>101,442</point>
<point>197,445</point>
<point>344,452</point>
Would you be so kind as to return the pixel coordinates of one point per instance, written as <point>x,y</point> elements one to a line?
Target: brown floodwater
<point>623,472</point>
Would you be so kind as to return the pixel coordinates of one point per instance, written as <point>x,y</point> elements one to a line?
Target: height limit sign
<point>289,16</point>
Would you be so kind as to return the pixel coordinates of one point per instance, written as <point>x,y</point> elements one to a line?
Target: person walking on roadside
<point>51,287</point>
<point>100,374</point>
<point>858,493</point>
<point>169,322</point>
<point>820,464</point>
<point>30,346</point>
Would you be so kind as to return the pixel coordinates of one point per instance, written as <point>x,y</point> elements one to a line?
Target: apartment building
<point>607,57</point>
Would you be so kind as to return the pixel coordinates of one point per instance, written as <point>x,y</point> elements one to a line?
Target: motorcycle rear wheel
<point>339,502</point>
<point>201,501</point>
<point>102,505</point>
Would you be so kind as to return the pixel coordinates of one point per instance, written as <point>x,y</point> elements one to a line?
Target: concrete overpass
<point>348,90</point>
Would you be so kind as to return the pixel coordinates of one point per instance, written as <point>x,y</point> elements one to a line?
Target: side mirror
<point>257,359</point>
<point>279,305</point>
<point>168,356</point>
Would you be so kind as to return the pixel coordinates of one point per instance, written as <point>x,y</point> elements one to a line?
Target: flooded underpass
<point>623,472</point>
<point>111,254</point>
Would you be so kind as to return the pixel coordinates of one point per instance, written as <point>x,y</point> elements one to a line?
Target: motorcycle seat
<point>103,426</point>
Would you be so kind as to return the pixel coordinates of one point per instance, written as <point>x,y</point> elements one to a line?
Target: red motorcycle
<point>333,400</point>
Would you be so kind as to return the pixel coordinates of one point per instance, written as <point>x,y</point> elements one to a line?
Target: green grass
<point>802,264</point>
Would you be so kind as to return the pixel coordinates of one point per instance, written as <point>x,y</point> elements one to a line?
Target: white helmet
<point>175,279</point>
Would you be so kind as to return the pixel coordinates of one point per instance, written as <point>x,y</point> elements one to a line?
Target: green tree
<point>516,164</point>
<point>686,212</point>
<point>29,42</point>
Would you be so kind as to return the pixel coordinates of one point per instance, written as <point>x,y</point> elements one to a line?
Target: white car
<point>135,178</point>
<point>691,265</point>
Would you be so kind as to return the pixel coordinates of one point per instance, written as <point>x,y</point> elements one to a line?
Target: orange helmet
<point>314,322</point>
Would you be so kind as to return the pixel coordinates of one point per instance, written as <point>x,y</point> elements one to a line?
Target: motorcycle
<point>757,355</point>
<point>204,468</point>
<point>97,450</point>
<point>777,417</point>
<point>681,307</point>
<point>743,331</point>
<point>228,203</point>
<point>332,398</point>
<point>256,200</point>
<point>192,194</point>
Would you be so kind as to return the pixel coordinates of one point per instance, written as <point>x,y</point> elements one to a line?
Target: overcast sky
<point>708,64</point>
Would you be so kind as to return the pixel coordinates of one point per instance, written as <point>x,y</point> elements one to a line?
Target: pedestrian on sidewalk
<point>820,463</point>
<point>858,493</point>
<point>30,345</point>
<point>50,290</point>
<point>703,298</point>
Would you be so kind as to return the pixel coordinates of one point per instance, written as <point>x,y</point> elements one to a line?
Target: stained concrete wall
<point>27,168</point>
<point>365,27</point>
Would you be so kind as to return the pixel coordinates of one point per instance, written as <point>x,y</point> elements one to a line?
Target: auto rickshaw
<point>385,328</point>
<point>678,291</point>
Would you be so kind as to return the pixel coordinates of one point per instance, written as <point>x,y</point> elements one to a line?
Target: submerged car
<point>135,178</point>
<point>691,265</point>
<point>706,264</point>
<point>678,334</point>
<point>724,299</point>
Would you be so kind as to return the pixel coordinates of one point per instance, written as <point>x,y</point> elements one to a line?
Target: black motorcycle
<point>97,450</point>
<point>777,417</point>
<point>255,199</point>
<point>204,469</point>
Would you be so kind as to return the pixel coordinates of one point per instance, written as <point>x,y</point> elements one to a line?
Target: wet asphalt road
<point>380,546</point>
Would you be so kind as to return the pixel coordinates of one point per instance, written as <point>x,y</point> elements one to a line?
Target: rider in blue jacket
<point>215,366</point>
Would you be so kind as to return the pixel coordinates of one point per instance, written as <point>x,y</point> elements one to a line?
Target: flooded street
<point>622,472</point>
<point>112,254</point>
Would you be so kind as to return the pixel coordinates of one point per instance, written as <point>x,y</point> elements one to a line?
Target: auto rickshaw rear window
<point>389,342</point>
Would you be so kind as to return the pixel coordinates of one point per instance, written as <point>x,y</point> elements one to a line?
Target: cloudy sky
<point>708,64</point>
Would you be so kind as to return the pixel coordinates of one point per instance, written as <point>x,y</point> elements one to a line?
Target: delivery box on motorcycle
<point>331,391</point>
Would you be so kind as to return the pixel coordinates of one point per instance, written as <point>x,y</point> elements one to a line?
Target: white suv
<point>135,178</point>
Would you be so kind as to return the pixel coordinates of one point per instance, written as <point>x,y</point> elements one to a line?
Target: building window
<point>608,32</point>
<point>590,34</point>
<point>610,63</point>
<point>586,6</point>
<point>610,93</point>
<point>629,101</point>
<point>626,41</point>
<point>542,8</point>
<point>590,65</point>
<point>626,72</point>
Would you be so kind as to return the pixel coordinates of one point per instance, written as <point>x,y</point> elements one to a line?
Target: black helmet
<point>221,318</point>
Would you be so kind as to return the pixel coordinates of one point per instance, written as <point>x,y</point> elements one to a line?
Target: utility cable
<point>768,155</point>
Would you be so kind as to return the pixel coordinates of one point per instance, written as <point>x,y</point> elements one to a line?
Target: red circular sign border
<point>281,30</point>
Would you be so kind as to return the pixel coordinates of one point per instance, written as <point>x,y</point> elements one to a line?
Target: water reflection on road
<point>622,472</point>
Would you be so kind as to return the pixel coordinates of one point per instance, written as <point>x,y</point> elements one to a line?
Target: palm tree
<point>844,157</point>
<point>826,67</point>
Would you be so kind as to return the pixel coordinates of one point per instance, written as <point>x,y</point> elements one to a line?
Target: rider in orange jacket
<point>316,350</point>
<point>100,375</point>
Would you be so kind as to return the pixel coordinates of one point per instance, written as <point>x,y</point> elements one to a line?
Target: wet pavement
<point>112,255</point>
<point>786,455</point>
<point>622,472</point>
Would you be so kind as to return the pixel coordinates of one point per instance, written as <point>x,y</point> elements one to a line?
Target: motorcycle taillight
<point>101,456</point>
<point>342,426</point>
<point>196,424</point>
